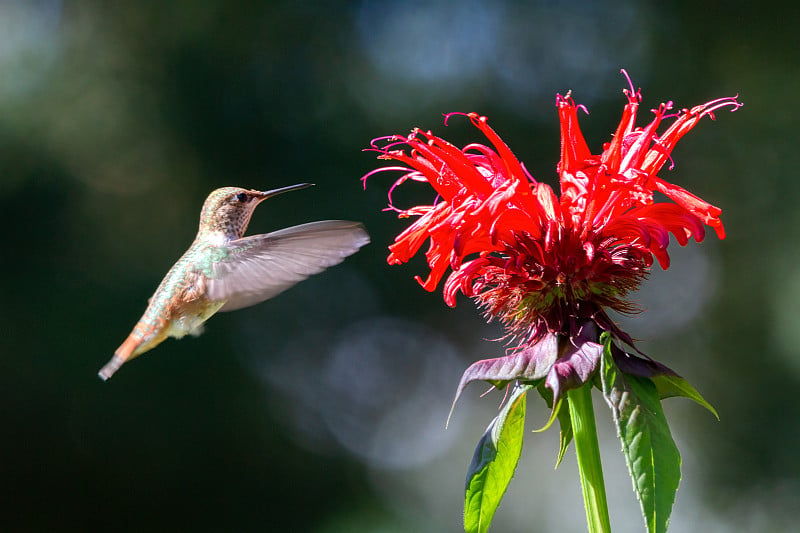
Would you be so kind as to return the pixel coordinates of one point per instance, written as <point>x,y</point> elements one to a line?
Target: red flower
<point>549,267</point>
<point>538,262</point>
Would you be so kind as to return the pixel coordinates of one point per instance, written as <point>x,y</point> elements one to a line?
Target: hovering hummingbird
<point>223,270</point>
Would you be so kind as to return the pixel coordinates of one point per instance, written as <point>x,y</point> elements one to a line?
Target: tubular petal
<point>539,262</point>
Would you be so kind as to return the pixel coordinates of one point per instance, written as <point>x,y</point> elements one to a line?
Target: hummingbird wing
<point>261,266</point>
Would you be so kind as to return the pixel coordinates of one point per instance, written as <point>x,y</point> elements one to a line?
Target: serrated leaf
<point>650,452</point>
<point>494,462</point>
<point>670,385</point>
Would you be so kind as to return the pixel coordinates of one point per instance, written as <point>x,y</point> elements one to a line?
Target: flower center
<point>533,290</point>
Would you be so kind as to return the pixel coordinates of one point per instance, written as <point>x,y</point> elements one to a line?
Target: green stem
<point>587,450</point>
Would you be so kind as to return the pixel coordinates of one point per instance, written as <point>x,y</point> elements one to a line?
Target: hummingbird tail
<point>112,366</point>
<point>122,354</point>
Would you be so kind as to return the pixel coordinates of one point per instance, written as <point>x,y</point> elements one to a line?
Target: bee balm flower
<point>548,266</point>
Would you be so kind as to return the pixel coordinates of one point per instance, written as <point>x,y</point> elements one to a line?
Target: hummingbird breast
<point>180,304</point>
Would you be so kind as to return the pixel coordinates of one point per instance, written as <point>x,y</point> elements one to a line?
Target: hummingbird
<point>223,270</point>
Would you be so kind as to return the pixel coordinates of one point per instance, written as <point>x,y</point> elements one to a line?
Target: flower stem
<point>587,450</point>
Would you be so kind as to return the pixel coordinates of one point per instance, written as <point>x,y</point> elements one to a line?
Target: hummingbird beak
<point>275,192</point>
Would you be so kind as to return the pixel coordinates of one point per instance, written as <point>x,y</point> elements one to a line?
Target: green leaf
<point>652,457</point>
<point>494,462</point>
<point>553,415</point>
<point>565,435</point>
<point>561,412</point>
<point>670,385</point>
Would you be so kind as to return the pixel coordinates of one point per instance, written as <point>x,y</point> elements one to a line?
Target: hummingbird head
<point>227,211</point>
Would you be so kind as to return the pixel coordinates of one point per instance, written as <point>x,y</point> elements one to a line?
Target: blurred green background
<point>323,410</point>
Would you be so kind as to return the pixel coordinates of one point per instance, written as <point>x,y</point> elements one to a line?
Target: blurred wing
<point>261,266</point>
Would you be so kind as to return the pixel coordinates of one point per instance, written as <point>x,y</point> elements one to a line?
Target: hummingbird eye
<point>241,197</point>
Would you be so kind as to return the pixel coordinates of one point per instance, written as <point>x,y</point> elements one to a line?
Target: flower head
<point>549,267</point>
<point>543,263</point>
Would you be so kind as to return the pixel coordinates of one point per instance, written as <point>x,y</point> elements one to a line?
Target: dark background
<point>323,409</point>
